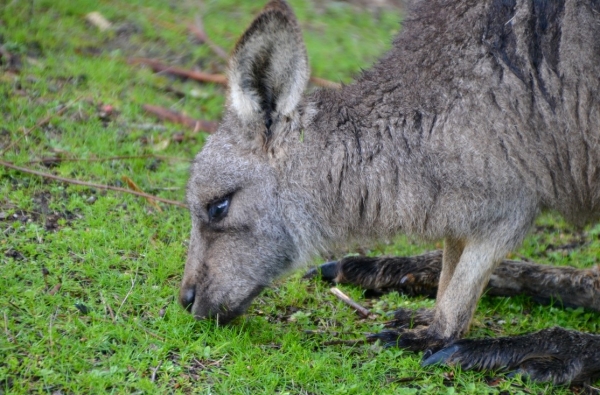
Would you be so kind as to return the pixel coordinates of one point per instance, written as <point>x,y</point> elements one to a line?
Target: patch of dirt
<point>16,255</point>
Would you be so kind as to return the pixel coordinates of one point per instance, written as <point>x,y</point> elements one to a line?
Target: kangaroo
<point>483,114</point>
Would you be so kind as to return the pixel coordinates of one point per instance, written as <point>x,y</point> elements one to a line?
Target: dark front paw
<point>413,340</point>
<point>555,355</point>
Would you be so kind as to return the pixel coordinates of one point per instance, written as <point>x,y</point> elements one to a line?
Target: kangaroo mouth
<point>225,313</point>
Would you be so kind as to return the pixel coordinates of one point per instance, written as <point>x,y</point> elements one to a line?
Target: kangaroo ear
<point>268,70</point>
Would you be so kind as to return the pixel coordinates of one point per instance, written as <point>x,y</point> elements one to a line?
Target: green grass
<point>120,260</point>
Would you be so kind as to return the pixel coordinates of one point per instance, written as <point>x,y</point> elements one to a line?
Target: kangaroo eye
<point>218,209</point>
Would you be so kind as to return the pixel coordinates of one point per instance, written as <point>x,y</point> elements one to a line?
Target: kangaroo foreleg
<point>419,275</point>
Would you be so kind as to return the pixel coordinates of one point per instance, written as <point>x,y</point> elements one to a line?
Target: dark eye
<point>218,210</point>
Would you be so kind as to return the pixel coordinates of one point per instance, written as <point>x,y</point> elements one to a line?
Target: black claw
<point>311,273</point>
<point>429,352</point>
<point>439,357</point>
<point>328,271</point>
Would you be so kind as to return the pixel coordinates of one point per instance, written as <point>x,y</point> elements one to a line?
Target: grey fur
<point>483,114</point>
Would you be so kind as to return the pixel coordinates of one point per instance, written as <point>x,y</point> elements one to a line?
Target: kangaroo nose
<point>186,298</point>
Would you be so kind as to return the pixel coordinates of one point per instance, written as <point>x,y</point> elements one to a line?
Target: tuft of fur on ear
<point>268,71</point>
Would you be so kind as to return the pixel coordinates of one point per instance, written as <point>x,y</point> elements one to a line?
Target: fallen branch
<point>363,312</point>
<point>89,184</point>
<point>165,114</point>
<point>159,67</point>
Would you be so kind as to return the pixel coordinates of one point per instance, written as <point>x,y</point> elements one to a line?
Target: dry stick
<point>40,123</point>
<point>154,371</point>
<point>160,67</point>
<point>89,184</point>
<point>325,83</point>
<point>175,117</point>
<point>110,310</point>
<point>133,280</point>
<point>52,318</point>
<point>6,331</point>
<point>363,312</point>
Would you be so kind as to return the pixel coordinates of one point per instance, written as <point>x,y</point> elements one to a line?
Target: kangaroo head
<point>239,241</point>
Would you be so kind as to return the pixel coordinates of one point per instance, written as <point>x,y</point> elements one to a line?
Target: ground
<point>89,277</point>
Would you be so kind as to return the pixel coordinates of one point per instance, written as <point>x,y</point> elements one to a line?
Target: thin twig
<point>89,184</point>
<point>154,371</point>
<point>159,67</point>
<point>110,310</point>
<point>6,331</point>
<point>175,117</point>
<point>39,124</point>
<point>363,312</point>
<point>52,318</point>
<point>133,280</point>
<point>325,83</point>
